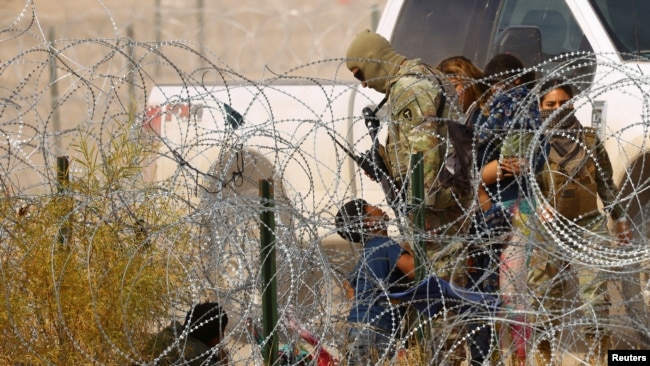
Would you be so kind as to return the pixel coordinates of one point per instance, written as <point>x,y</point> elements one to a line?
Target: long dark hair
<point>508,66</point>
<point>464,69</point>
<point>556,83</point>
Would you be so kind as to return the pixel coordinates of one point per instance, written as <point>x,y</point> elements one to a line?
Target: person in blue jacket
<point>510,152</point>
<point>382,282</point>
<point>384,267</point>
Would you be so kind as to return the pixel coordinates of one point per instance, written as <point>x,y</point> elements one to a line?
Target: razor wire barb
<point>162,206</point>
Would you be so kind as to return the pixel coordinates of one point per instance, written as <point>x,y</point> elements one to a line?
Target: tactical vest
<point>574,195</point>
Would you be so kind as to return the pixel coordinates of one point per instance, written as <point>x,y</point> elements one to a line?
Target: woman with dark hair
<point>386,271</point>
<point>482,264</point>
<point>577,172</point>
<point>466,77</point>
<point>555,93</point>
<point>506,148</point>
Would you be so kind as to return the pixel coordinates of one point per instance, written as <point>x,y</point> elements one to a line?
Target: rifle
<point>373,164</point>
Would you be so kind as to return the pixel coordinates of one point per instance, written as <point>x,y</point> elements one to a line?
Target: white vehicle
<point>281,130</point>
<point>299,114</point>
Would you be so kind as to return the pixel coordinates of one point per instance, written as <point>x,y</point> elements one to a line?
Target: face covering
<point>565,146</point>
<point>563,119</point>
<point>376,59</point>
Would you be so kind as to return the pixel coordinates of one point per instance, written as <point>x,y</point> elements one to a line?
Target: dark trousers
<point>483,271</point>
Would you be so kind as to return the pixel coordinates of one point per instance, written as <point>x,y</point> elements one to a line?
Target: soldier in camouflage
<point>416,99</point>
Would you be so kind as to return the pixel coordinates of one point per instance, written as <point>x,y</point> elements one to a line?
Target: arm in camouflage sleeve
<point>607,189</point>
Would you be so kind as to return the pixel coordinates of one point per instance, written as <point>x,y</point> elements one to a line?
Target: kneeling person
<point>384,267</point>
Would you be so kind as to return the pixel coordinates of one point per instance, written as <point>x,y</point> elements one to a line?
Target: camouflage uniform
<point>593,284</point>
<point>414,98</point>
<point>415,94</point>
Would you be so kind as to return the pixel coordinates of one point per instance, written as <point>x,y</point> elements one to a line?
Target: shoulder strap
<point>381,104</point>
<point>443,95</point>
<point>443,100</point>
<point>591,136</point>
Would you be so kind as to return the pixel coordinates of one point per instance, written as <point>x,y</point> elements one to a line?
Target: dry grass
<point>93,296</point>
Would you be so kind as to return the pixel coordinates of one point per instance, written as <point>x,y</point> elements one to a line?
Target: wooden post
<point>130,34</point>
<point>157,26</point>
<point>200,14</point>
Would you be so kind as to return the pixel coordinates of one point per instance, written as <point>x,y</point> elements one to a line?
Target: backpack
<point>457,170</point>
<point>573,196</point>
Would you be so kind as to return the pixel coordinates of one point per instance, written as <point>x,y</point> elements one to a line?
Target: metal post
<point>54,91</point>
<point>417,217</point>
<point>374,17</point>
<point>267,257</point>
<point>131,73</point>
<point>63,178</point>
<point>200,14</point>
<point>62,172</point>
<point>157,25</point>
<point>417,212</point>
